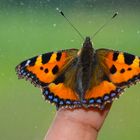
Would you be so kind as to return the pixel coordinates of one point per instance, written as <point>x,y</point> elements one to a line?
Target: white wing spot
<point>28,62</point>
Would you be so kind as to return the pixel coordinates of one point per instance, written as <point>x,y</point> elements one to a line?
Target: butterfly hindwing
<point>103,93</point>
<point>101,90</point>
<point>61,91</point>
<point>61,95</point>
<point>43,69</point>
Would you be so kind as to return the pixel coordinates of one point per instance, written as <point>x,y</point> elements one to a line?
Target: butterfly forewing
<point>122,69</point>
<point>43,69</point>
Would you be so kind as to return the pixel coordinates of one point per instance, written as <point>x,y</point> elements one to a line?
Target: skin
<point>77,124</point>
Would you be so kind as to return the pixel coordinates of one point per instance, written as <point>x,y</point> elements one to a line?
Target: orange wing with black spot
<point>113,72</point>
<point>43,69</point>
<point>123,69</point>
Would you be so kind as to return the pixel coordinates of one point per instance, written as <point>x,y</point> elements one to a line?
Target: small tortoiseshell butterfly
<point>81,78</point>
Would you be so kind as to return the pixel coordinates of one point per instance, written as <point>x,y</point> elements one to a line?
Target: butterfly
<point>87,77</point>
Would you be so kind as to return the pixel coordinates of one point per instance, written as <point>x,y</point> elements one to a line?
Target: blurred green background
<point>29,28</point>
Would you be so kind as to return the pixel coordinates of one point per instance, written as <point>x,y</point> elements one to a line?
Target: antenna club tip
<point>60,11</point>
<point>57,9</point>
<point>116,13</point>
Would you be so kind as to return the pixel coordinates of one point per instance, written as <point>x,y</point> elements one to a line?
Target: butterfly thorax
<point>85,68</point>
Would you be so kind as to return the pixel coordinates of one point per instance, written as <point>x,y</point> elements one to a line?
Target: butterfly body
<point>81,78</point>
<point>84,68</point>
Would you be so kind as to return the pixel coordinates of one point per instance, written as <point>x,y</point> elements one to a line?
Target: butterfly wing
<point>55,74</point>
<point>43,69</point>
<point>113,72</point>
<point>123,69</point>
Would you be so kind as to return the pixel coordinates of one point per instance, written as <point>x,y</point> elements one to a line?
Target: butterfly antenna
<point>61,12</point>
<point>107,22</point>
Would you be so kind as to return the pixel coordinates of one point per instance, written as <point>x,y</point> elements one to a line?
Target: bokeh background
<point>32,27</point>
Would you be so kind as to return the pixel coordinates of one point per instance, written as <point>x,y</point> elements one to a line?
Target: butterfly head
<point>87,43</point>
<point>87,38</point>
